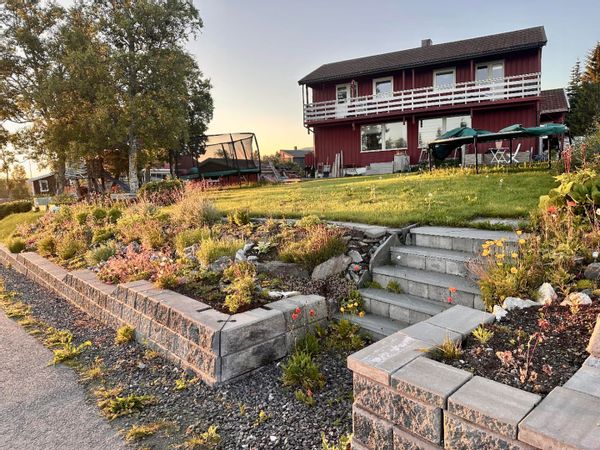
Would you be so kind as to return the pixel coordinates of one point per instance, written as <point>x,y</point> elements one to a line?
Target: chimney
<point>426,43</point>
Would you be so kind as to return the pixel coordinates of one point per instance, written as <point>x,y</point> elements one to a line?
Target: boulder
<point>249,246</point>
<point>576,298</point>
<point>499,312</point>
<point>546,294</point>
<point>332,266</point>
<point>240,255</point>
<point>594,346</point>
<point>511,303</point>
<point>356,257</point>
<point>375,232</point>
<point>220,264</point>
<point>283,294</point>
<point>592,272</point>
<point>282,269</point>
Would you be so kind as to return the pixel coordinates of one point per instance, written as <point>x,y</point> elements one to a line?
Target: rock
<point>375,232</point>
<point>356,257</point>
<point>592,272</point>
<point>190,252</point>
<point>249,246</point>
<point>576,298</point>
<point>282,269</point>
<point>240,255</point>
<point>594,346</point>
<point>332,266</point>
<point>220,264</point>
<point>511,303</point>
<point>499,312</point>
<point>252,258</point>
<point>283,294</point>
<point>546,294</point>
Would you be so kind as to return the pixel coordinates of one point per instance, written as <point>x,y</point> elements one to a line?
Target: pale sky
<point>255,51</point>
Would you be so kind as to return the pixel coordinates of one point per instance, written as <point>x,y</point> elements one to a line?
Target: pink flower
<point>294,316</point>
<point>297,310</point>
<point>450,299</point>
<point>311,312</point>
<point>571,203</point>
<point>551,210</point>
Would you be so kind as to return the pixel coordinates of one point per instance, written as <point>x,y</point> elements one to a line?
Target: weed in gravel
<point>57,338</point>
<point>150,354</point>
<point>139,432</point>
<point>183,383</point>
<point>69,351</point>
<point>114,405</point>
<point>95,371</point>
<point>394,286</point>
<point>125,334</point>
<point>301,370</point>
<point>345,336</point>
<point>262,418</point>
<point>242,409</point>
<point>482,334</point>
<point>344,443</point>
<point>305,397</point>
<point>309,343</point>
<point>446,351</point>
<point>16,310</point>
<point>210,439</point>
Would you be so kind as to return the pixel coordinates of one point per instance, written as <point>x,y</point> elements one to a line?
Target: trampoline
<point>225,155</point>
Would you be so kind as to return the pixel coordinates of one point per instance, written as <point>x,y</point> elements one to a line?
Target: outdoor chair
<point>514,155</point>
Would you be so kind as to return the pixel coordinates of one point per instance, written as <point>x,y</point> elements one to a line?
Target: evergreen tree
<point>584,94</point>
<point>591,73</point>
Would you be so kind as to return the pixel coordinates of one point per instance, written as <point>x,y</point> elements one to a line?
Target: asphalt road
<point>41,406</point>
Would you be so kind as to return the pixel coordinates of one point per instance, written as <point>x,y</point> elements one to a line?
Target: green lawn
<point>445,198</point>
<point>9,223</point>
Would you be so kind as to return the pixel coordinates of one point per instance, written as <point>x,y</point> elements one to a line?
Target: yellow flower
<point>521,241</point>
<point>500,243</point>
<point>519,232</point>
<point>342,309</point>
<point>514,254</point>
<point>355,305</point>
<point>513,270</point>
<point>486,253</point>
<point>499,264</point>
<point>361,314</point>
<point>500,256</point>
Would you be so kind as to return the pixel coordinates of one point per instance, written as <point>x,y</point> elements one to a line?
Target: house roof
<point>40,177</point>
<point>553,101</point>
<point>298,153</point>
<point>433,54</point>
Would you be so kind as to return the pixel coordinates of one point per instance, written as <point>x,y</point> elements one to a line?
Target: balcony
<point>469,93</point>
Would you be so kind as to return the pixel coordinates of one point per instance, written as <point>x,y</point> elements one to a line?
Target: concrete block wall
<point>404,400</point>
<point>218,347</point>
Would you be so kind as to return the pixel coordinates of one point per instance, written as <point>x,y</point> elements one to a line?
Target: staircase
<point>432,261</point>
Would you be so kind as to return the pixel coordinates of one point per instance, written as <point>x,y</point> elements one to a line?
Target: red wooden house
<point>375,107</point>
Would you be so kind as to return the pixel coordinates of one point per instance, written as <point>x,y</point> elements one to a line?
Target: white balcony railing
<point>517,86</point>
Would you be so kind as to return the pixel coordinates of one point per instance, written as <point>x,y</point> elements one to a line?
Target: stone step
<point>430,285</point>
<point>451,262</point>
<point>401,307</point>
<point>460,239</point>
<point>377,327</point>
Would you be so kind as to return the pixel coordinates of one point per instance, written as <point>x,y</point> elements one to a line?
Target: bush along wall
<point>19,206</point>
<point>218,347</point>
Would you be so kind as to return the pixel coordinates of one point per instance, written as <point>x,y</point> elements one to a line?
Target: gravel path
<point>233,408</point>
<point>41,406</point>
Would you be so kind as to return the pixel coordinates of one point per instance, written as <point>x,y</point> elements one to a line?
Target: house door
<point>342,97</point>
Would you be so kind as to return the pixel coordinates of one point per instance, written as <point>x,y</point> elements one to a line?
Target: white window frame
<point>348,90</point>
<point>47,186</point>
<point>383,138</point>
<point>444,70</point>
<point>379,80</point>
<point>489,65</point>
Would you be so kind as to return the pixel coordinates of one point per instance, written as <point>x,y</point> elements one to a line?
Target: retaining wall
<point>404,400</point>
<point>218,347</point>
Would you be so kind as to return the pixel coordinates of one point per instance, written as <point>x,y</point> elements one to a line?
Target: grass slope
<point>444,198</point>
<point>9,223</point>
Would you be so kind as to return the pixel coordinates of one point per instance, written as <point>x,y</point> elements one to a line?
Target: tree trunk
<point>134,183</point>
<point>61,169</point>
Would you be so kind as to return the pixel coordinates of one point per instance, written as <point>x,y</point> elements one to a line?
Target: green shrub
<point>239,217</point>
<point>482,334</point>
<point>300,370</point>
<point>81,217</point>
<point>186,238</point>
<point>70,246</point>
<point>446,351</point>
<point>64,199</point>
<point>152,234</point>
<point>46,246</point>
<point>16,245</point>
<point>394,286</point>
<point>163,192</point>
<point>585,284</point>
<point>98,255</point>
<point>320,244</point>
<point>194,210</point>
<point>18,206</point>
<point>102,235</point>
<point>309,221</point>
<point>240,292</point>
<point>99,214</point>
<point>125,334</point>
<point>114,214</point>
<point>344,336</point>
<point>308,344</point>
<point>212,249</point>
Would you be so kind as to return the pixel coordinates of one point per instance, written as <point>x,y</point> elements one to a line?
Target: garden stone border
<point>402,399</point>
<point>218,347</point>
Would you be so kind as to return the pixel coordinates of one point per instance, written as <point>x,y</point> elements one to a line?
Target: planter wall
<point>218,347</point>
<point>402,399</point>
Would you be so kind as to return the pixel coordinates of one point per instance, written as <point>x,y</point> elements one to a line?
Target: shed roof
<point>524,39</point>
<point>297,153</point>
<point>553,101</point>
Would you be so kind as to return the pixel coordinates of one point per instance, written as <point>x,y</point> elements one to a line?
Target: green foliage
<point>343,335</point>
<point>239,217</point>
<point>353,303</point>
<point>114,214</point>
<point>300,370</point>
<point>69,351</point>
<point>212,249</point>
<point>99,214</point>
<point>320,244</point>
<point>308,344</point>
<point>125,334</point>
<point>70,246</point>
<point>210,439</point>
<point>394,286</point>
<point>374,285</point>
<point>139,432</point>
<point>162,192</point>
<point>187,238</point>
<point>305,397</point>
<point>194,210</point>
<point>100,254</point>
<point>16,245</point>
<point>308,221</point>
<point>585,284</point>
<point>446,351</point>
<point>242,287</point>
<point>102,235</point>
<point>345,443</point>
<point>46,246</point>
<point>114,405</point>
<point>81,217</point>
<point>482,334</point>
<point>18,206</point>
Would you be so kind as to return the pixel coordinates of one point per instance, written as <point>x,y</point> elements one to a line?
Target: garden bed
<point>535,349</point>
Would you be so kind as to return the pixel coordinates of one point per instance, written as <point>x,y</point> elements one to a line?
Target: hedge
<point>19,206</point>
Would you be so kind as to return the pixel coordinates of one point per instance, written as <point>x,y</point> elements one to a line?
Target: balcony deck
<point>468,93</point>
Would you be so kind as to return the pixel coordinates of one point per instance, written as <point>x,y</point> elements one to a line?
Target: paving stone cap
<point>492,405</point>
<point>379,360</point>
<point>594,345</point>
<point>586,380</point>
<point>431,334</point>
<point>564,419</point>
<point>429,381</point>
<point>461,319</point>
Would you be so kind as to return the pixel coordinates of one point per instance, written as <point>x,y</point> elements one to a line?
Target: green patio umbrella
<point>452,139</point>
<point>548,129</point>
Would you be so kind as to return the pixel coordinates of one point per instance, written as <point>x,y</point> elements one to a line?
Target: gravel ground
<point>233,408</point>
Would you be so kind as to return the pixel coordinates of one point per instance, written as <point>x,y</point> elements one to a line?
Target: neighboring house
<point>43,185</point>
<point>554,106</point>
<point>372,108</point>
<point>295,156</point>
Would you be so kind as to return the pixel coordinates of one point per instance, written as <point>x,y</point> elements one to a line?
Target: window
<point>385,136</point>
<point>489,71</point>
<point>431,129</point>
<point>342,93</point>
<point>43,185</point>
<point>383,87</point>
<point>444,78</point>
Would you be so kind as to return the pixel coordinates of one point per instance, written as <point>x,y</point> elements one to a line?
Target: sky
<point>255,51</point>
